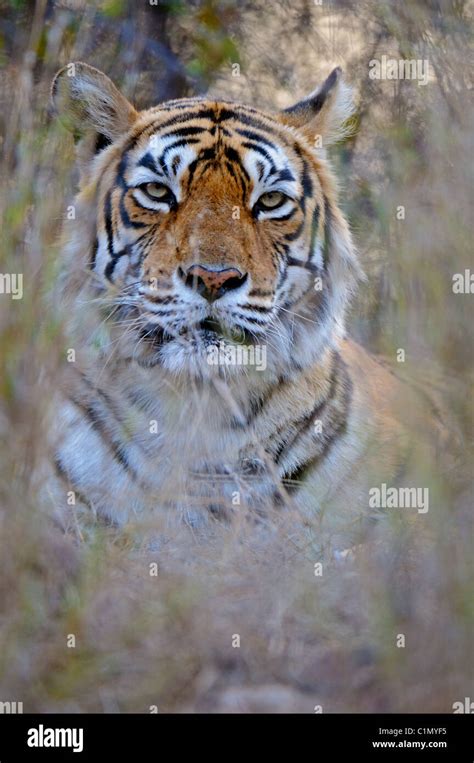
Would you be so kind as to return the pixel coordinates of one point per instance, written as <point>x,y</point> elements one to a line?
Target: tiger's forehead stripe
<point>246,128</point>
<point>216,113</point>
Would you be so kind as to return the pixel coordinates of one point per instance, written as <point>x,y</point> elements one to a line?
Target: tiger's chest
<point>127,448</point>
<point>132,454</point>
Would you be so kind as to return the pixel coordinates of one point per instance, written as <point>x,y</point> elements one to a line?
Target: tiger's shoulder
<point>392,428</point>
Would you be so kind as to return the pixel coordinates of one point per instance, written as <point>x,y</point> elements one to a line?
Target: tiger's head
<point>206,222</point>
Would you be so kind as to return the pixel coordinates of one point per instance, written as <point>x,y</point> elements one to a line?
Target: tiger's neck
<point>221,399</point>
<point>194,442</point>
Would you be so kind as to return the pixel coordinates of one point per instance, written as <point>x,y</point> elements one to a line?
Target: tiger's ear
<point>324,113</point>
<point>86,101</point>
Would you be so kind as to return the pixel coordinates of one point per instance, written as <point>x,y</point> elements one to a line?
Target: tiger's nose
<point>212,283</point>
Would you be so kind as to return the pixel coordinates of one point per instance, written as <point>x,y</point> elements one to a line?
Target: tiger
<point>208,234</point>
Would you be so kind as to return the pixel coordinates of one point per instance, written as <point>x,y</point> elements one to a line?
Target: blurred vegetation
<point>167,640</point>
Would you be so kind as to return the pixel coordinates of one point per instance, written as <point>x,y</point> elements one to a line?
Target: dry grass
<point>166,640</point>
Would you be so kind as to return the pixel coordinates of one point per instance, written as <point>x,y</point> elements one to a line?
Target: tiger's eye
<point>271,199</point>
<point>157,190</point>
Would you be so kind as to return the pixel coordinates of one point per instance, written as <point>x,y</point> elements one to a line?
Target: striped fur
<point>147,424</point>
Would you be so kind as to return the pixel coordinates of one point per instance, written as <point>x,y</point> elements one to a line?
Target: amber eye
<point>157,191</point>
<point>271,200</point>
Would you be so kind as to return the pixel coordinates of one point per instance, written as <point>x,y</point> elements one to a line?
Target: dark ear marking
<point>101,142</point>
<point>314,103</point>
<point>324,113</point>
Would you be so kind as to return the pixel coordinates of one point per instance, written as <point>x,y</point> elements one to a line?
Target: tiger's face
<point>215,222</point>
<point>217,216</point>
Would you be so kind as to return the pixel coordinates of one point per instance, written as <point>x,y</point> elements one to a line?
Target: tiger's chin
<point>205,350</point>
